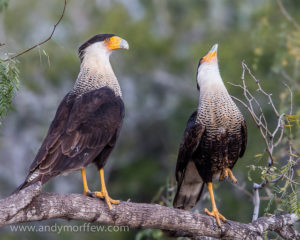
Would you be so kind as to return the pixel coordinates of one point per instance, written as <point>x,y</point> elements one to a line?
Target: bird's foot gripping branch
<point>30,204</point>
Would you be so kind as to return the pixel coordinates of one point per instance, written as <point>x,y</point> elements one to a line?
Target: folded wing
<point>82,127</point>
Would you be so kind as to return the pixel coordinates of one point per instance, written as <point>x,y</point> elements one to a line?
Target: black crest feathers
<point>96,38</point>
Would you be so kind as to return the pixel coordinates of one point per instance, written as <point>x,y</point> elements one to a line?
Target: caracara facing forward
<point>214,138</point>
<point>88,120</point>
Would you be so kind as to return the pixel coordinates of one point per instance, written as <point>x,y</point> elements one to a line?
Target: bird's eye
<point>107,39</point>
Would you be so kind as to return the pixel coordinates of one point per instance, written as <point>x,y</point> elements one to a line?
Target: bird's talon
<point>116,202</point>
<point>107,198</point>
<point>226,173</point>
<point>98,194</point>
<point>215,213</point>
<point>233,179</point>
<point>108,204</point>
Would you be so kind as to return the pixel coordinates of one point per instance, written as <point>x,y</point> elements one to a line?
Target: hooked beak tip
<point>124,44</point>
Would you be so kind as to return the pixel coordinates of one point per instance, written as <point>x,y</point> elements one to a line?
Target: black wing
<point>82,127</point>
<point>189,143</point>
<point>244,138</point>
<point>190,184</point>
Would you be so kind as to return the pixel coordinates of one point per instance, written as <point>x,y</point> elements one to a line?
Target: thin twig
<point>290,79</point>
<point>286,177</point>
<point>256,111</point>
<point>44,41</point>
<point>280,136</point>
<point>291,94</point>
<point>242,189</point>
<point>287,15</point>
<point>256,119</point>
<point>260,89</point>
<point>250,195</point>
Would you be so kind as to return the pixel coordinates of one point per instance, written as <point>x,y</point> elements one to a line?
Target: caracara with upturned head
<point>214,138</point>
<point>88,120</point>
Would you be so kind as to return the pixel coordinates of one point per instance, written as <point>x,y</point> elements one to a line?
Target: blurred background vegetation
<point>157,75</point>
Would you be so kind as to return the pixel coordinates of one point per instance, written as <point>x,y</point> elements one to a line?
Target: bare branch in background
<point>291,80</point>
<point>31,205</point>
<point>291,94</point>
<point>242,188</point>
<point>287,15</point>
<point>44,41</point>
<point>272,138</point>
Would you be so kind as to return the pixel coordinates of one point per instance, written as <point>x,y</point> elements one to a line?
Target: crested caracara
<point>87,122</point>
<point>214,138</point>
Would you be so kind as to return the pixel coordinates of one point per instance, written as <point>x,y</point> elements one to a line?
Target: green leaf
<point>9,84</point>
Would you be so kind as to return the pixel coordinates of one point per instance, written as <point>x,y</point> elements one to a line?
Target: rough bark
<point>31,204</point>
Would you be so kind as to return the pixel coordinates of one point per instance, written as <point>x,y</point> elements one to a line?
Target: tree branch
<point>269,136</point>
<point>44,41</point>
<point>31,205</point>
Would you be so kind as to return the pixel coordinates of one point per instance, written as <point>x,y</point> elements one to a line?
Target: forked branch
<point>272,137</point>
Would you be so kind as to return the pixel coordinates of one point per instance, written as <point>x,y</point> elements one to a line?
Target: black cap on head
<point>97,38</point>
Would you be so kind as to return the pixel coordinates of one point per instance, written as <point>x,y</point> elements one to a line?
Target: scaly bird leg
<point>225,173</point>
<point>104,193</point>
<point>86,190</point>
<point>215,213</point>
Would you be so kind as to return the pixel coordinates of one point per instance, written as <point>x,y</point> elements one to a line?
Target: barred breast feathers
<point>216,108</point>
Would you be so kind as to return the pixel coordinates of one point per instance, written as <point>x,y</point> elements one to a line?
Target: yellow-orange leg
<point>227,172</point>
<point>86,190</point>
<point>215,212</point>
<point>104,193</point>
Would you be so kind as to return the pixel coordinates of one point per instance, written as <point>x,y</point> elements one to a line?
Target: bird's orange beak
<point>116,42</point>
<point>211,55</point>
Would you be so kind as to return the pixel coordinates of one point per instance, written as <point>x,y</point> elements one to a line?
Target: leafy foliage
<point>283,176</point>
<point>150,234</point>
<point>9,83</point>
